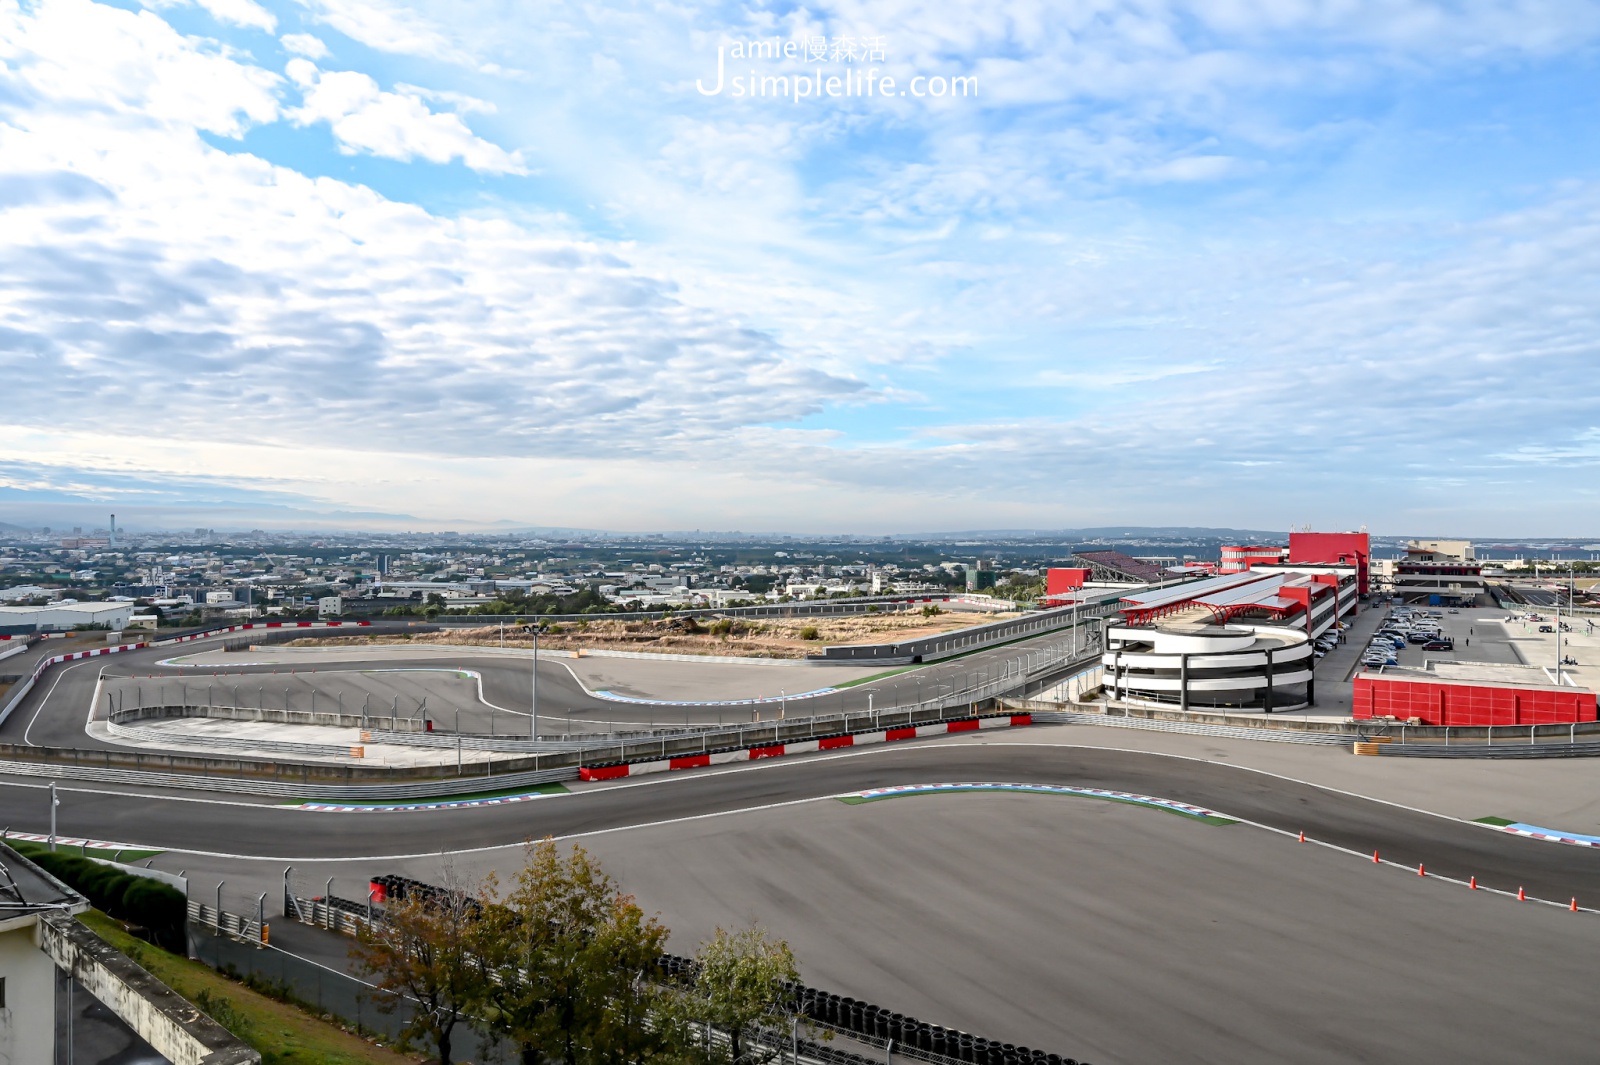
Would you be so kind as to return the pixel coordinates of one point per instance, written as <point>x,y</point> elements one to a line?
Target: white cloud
<point>385,27</point>
<point>245,13</point>
<point>460,102</point>
<point>304,44</point>
<point>82,55</point>
<point>156,278</point>
<point>395,125</point>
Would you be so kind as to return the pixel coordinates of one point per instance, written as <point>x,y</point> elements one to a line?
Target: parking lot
<point>1475,632</point>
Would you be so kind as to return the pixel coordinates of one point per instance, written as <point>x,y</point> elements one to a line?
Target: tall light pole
<point>534,721</point>
<point>54,802</point>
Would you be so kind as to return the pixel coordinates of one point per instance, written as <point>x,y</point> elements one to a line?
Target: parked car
<point>1420,637</point>
<point>1438,645</point>
<point>1547,628</point>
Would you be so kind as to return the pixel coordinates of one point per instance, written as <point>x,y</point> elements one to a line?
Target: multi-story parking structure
<point>1237,642</point>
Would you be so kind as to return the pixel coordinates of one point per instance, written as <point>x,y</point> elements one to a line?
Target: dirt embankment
<point>764,638</point>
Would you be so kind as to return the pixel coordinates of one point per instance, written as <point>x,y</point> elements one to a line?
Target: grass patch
<point>28,848</point>
<point>876,677</point>
<point>281,1033</point>
<point>857,800</point>
<point>536,789</point>
<point>1498,822</point>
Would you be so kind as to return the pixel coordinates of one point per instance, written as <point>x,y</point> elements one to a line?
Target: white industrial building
<point>65,615</point>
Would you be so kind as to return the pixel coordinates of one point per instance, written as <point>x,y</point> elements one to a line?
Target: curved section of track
<point>55,713</point>
<point>1448,847</point>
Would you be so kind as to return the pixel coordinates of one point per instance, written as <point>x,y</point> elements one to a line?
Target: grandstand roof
<point>1120,564</point>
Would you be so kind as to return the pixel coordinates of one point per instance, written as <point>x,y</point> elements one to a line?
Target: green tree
<point>424,950</point>
<point>740,987</point>
<point>567,956</point>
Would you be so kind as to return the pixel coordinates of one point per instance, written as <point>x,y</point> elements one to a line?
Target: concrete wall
<point>28,1022</point>
<point>160,1016</point>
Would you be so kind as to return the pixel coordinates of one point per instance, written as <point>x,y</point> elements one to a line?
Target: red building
<point>1330,549</point>
<point>1239,559</point>
<point>1459,703</point>
<point>1057,581</point>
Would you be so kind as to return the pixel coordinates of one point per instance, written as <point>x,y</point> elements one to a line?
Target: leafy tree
<point>740,987</point>
<point>424,950</point>
<point>567,954</point>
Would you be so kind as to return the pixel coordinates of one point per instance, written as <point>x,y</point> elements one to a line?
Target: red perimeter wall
<point>1469,704</point>
<point>1063,580</point>
<point>1331,549</point>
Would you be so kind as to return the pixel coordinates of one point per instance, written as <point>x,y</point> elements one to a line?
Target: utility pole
<point>54,802</point>
<point>534,723</point>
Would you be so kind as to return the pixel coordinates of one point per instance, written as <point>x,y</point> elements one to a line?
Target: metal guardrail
<point>233,785</point>
<point>223,923</point>
<point>246,776</point>
<point>139,734</point>
<point>963,641</point>
<point>1581,749</point>
<point>1233,732</point>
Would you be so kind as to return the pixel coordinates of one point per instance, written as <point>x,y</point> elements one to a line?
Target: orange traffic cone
<point>1574,905</point>
<point>1521,895</point>
<point>1473,883</point>
<point>1302,836</point>
<point>1374,856</point>
<point>1420,870</point>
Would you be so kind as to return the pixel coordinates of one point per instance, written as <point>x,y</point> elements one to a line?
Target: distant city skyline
<point>409,264</point>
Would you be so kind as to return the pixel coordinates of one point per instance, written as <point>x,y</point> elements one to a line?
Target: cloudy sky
<point>1200,262</point>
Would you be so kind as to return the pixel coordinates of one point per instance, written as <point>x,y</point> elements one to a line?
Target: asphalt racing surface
<point>55,712</point>
<point>1105,932</point>
<point>1448,847</point>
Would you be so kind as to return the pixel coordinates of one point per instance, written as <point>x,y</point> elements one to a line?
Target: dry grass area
<point>763,638</point>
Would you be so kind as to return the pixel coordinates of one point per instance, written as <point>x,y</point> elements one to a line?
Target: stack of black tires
<point>910,1035</point>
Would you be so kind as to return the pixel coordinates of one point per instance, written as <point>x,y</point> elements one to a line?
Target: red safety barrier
<point>778,750</point>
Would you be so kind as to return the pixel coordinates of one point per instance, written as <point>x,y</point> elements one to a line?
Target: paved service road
<point>1448,847</point>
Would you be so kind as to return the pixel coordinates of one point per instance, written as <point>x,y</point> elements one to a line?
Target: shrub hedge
<point>158,908</point>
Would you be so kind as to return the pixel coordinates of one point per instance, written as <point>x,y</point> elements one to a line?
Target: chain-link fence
<point>358,1005</point>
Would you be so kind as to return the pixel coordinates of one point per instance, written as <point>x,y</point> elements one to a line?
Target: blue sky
<point>1219,262</point>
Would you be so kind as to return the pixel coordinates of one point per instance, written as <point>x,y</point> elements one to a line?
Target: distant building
<point>1334,549</point>
<point>1437,572</point>
<point>64,616</point>
<point>1239,559</point>
<point>1440,551</point>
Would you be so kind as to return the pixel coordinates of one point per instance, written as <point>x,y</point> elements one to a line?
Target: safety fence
<point>137,734</point>
<point>21,691</point>
<point>369,1010</point>
<point>375,1013</point>
<point>818,1015</point>
<point>976,638</point>
<point>879,1026</point>
<point>222,923</point>
<point>1044,716</point>
<point>948,697</point>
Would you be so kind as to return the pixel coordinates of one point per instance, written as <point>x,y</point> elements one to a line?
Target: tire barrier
<point>723,755</point>
<point>910,1037</point>
<point>391,887</point>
